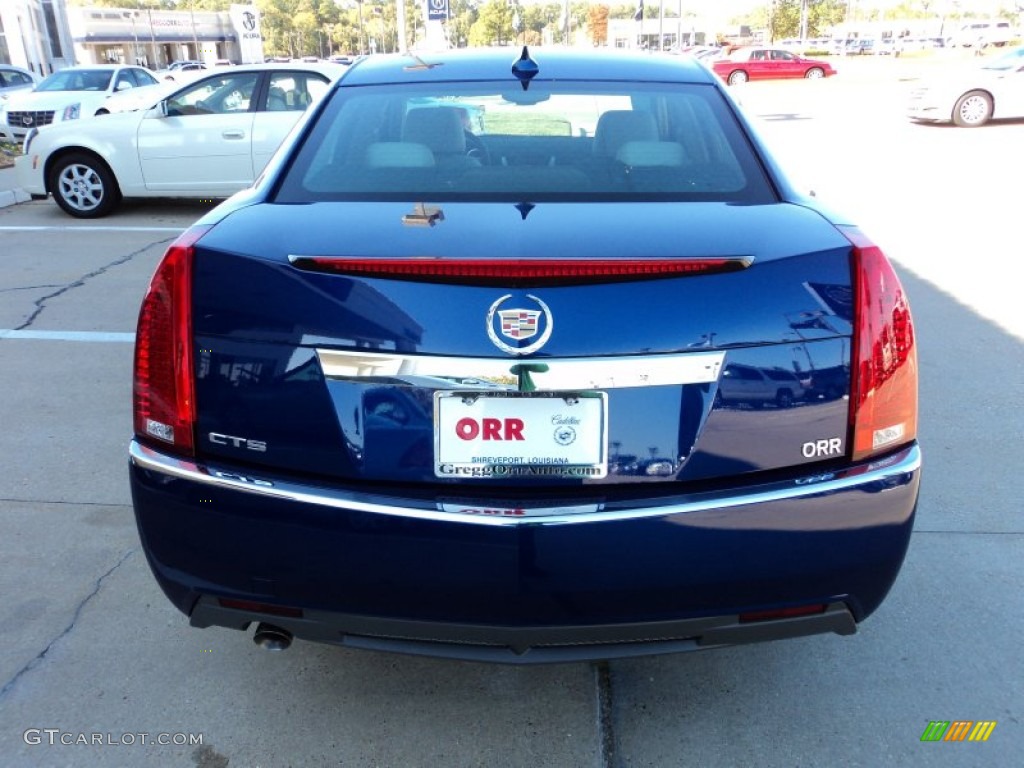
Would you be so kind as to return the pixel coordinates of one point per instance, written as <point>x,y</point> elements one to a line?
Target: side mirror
<point>124,85</point>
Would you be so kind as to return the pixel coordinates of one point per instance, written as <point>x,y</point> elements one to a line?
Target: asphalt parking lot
<point>91,651</point>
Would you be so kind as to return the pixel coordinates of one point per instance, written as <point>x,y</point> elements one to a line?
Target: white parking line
<point>100,336</point>
<point>91,229</point>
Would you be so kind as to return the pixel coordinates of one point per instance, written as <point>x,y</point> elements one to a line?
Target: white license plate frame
<point>515,435</point>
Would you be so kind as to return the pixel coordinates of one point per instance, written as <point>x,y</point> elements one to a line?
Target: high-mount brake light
<point>164,392</point>
<point>883,392</point>
<point>515,273</point>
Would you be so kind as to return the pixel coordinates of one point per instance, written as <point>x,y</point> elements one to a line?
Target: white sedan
<point>70,94</point>
<point>973,97</point>
<point>207,139</point>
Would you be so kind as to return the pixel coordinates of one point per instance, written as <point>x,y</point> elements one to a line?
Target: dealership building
<point>34,35</point>
<point>46,35</point>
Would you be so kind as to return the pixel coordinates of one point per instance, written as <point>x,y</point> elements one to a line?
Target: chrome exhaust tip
<point>272,638</point>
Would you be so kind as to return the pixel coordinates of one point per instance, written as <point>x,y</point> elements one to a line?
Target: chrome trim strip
<point>891,471</point>
<point>547,375</point>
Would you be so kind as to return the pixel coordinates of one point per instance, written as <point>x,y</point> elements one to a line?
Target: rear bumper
<point>525,581</point>
<point>530,645</point>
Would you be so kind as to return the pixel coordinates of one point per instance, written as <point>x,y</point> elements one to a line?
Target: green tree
<point>462,14</point>
<point>822,15</point>
<point>534,20</point>
<point>784,20</point>
<point>493,25</point>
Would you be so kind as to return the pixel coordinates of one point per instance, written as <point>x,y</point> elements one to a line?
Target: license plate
<point>478,434</point>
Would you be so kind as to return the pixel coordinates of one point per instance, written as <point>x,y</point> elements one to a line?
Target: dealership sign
<point>246,21</point>
<point>437,10</point>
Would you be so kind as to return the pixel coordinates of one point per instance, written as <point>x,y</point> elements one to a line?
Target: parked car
<point>186,64</point>
<point>982,34</point>
<point>183,71</point>
<point>864,46</point>
<point>704,52</point>
<point>762,63</point>
<point>756,386</point>
<point>12,80</point>
<point>207,139</point>
<point>971,95</point>
<point>843,46</point>
<point>15,79</point>
<point>887,46</point>
<point>70,94</point>
<point>135,98</point>
<point>312,454</point>
<point>804,47</point>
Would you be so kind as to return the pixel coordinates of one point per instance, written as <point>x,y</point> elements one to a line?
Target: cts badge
<point>509,326</point>
<point>238,442</point>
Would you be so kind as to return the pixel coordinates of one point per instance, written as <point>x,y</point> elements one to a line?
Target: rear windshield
<point>562,141</point>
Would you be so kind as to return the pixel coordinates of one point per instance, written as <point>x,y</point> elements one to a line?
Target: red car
<point>761,63</point>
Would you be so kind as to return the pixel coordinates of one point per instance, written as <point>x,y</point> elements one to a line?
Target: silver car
<point>12,80</point>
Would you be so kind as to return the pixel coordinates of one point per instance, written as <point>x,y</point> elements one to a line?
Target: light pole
<point>362,39</point>
<point>155,64</point>
<point>195,36</point>
<point>135,36</point>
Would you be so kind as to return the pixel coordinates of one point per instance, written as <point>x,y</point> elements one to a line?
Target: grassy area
<point>508,122</point>
<point>8,151</point>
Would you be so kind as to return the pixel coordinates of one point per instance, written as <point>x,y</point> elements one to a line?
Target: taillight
<point>883,391</point>
<point>164,393</point>
<point>783,613</point>
<point>519,272</point>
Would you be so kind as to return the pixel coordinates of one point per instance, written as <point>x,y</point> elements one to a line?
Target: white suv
<point>983,33</point>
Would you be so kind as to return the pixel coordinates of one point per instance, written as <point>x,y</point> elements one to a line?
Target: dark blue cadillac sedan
<point>522,358</point>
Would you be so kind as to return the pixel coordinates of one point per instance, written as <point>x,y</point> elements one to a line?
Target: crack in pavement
<point>9,685</point>
<point>28,288</point>
<point>75,503</point>
<point>605,721</point>
<point>40,303</point>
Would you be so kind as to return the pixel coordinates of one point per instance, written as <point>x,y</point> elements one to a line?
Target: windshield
<point>559,142</point>
<point>77,80</point>
<point>1010,60</point>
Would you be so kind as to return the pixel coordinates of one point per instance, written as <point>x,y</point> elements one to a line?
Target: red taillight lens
<point>783,613</point>
<point>164,393</point>
<point>519,272</point>
<point>883,393</point>
<point>251,606</point>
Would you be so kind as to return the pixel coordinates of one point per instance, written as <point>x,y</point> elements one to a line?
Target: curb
<point>12,194</point>
<point>10,197</point>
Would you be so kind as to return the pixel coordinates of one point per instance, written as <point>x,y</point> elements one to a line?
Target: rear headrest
<point>398,154</point>
<point>440,128</point>
<point>616,127</point>
<point>650,154</point>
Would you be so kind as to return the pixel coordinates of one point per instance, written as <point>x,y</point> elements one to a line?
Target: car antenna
<point>525,68</point>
